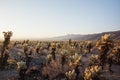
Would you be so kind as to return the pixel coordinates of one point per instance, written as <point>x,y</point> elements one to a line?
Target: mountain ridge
<point>115,35</point>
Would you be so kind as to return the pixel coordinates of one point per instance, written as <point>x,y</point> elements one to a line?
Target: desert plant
<point>75,58</point>
<point>52,70</point>
<point>89,46</point>
<point>7,36</point>
<point>116,52</point>
<point>70,41</point>
<point>49,58</point>
<point>94,59</point>
<point>21,67</point>
<point>71,75</point>
<point>104,45</point>
<point>92,73</point>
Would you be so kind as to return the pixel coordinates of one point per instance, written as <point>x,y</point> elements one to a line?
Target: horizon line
<point>43,38</point>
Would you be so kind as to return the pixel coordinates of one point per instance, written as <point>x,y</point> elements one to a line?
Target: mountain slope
<point>115,36</point>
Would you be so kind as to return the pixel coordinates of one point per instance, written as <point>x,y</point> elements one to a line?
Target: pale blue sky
<point>48,18</point>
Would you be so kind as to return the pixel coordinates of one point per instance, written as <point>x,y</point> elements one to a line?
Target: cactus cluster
<point>94,59</point>
<point>71,75</point>
<point>92,73</point>
<point>105,43</point>
<point>59,60</point>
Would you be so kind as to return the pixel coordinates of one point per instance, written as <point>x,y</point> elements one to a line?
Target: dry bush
<point>54,69</point>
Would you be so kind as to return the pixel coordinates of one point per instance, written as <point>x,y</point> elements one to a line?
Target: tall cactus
<point>104,45</point>
<point>70,41</point>
<point>7,36</point>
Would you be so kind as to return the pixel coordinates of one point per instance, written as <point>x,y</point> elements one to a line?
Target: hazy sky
<point>48,18</point>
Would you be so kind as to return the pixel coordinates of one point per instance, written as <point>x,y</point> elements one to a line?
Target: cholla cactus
<point>89,46</point>
<point>104,45</point>
<point>11,61</point>
<point>7,36</point>
<point>106,41</point>
<point>106,37</point>
<point>25,47</point>
<point>92,73</point>
<point>11,64</point>
<point>64,51</point>
<point>116,52</point>
<point>70,41</point>
<point>21,65</point>
<point>71,75</point>
<point>75,58</point>
<point>19,56</point>
<point>84,52</point>
<point>53,45</point>
<point>78,59</point>
<point>94,59</point>
<point>76,62</point>
<point>49,58</point>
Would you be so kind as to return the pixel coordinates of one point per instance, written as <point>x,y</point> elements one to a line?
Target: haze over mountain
<point>97,36</point>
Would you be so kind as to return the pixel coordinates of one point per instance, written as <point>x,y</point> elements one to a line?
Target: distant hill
<point>115,36</point>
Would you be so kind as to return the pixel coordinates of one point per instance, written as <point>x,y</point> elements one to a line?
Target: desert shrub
<point>93,73</point>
